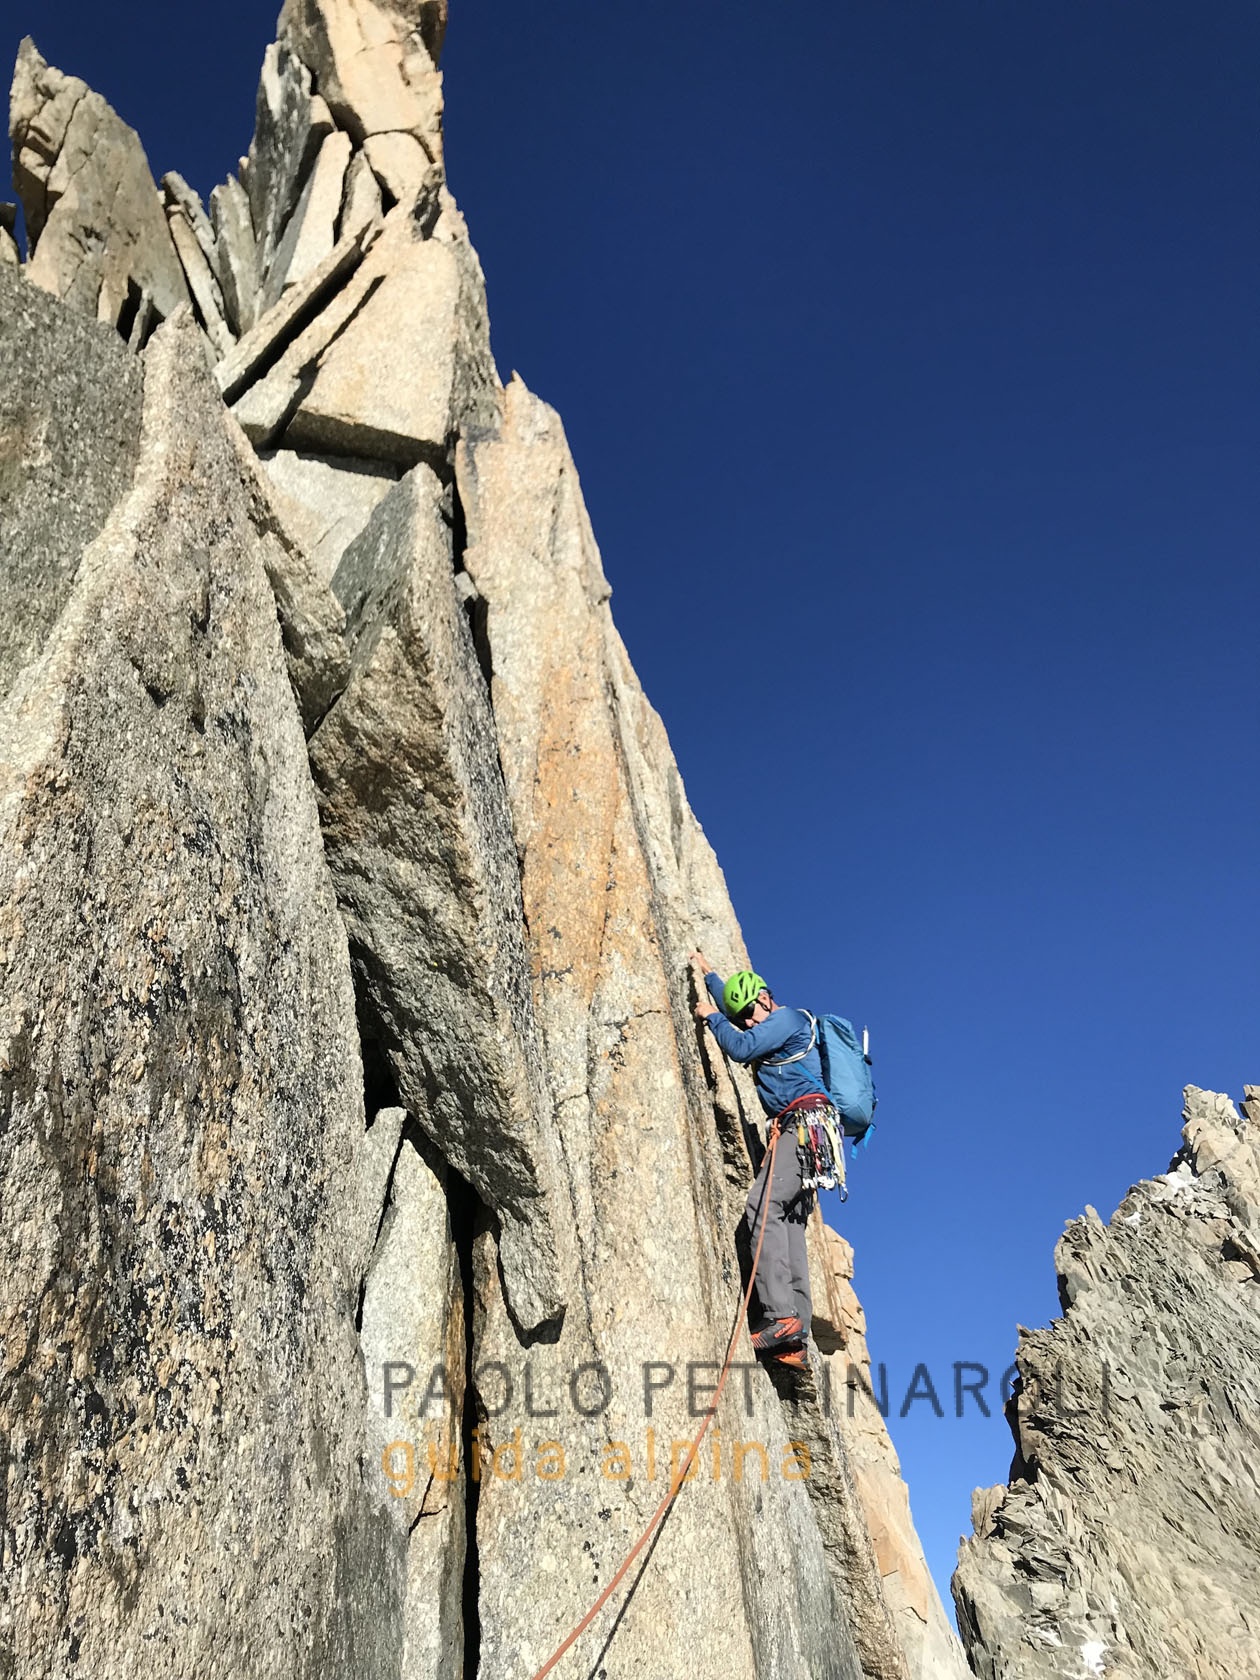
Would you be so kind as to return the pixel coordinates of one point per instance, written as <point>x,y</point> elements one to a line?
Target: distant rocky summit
<point>1128,1541</point>
<point>367,1194</point>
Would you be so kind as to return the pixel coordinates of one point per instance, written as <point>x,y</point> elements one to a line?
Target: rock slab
<point>616,876</point>
<point>70,407</point>
<point>181,1399</point>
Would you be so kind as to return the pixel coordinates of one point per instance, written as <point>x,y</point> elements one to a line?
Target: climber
<point>779,1044</point>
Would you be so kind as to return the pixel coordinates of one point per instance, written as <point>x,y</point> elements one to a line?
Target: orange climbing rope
<point>677,1481</point>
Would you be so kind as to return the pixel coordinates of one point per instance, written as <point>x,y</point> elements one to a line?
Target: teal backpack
<point>846,1072</point>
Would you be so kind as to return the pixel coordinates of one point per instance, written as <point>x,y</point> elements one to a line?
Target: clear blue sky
<point>908,352</point>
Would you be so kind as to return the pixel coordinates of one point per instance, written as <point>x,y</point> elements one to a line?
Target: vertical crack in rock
<point>383,1147</point>
<point>476,610</point>
<point>411,803</point>
<point>466,1212</point>
<point>414,1343</point>
<point>380,1087</point>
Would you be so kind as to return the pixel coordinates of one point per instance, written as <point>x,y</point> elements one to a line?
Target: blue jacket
<point>784,1033</point>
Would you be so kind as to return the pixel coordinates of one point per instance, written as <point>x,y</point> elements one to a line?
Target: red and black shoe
<point>778,1335</point>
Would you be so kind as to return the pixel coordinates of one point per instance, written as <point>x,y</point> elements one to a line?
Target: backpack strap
<point>800,1054</point>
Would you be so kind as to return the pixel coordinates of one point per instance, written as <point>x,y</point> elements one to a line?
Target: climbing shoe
<point>795,1357</point>
<point>780,1333</point>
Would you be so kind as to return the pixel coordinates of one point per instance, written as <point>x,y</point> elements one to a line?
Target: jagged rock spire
<point>1128,1539</point>
<point>376,65</point>
<point>93,219</point>
<point>348,125</point>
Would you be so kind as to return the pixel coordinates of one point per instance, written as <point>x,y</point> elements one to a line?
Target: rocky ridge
<point>368,1192</point>
<point>1127,1542</point>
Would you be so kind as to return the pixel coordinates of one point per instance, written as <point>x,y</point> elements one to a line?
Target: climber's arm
<point>751,1044</point>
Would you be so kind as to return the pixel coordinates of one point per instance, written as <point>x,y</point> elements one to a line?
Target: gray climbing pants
<point>781,1289</point>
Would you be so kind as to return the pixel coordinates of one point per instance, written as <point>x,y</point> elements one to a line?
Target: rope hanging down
<point>676,1483</point>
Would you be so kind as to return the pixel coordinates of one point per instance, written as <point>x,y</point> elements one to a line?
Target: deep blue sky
<point>908,353</point>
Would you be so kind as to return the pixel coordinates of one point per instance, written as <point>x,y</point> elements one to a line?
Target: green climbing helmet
<point>741,990</point>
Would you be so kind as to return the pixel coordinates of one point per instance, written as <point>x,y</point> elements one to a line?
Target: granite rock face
<point>369,1194</point>
<point>70,402</point>
<point>182,1108</point>
<point>652,1208</point>
<point>1128,1540</point>
<point>291,124</point>
<point>416,830</point>
<point>376,62</point>
<point>383,386</point>
<point>338,496</point>
<point>324,348</point>
<point>312,620</point>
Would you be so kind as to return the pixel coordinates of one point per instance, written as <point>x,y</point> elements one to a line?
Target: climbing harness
<point>697,1442</point>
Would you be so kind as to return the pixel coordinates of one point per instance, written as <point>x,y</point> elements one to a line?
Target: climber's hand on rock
<point>704,1008</point>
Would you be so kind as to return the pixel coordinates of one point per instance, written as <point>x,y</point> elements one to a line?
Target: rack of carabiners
<point>821,1151</point>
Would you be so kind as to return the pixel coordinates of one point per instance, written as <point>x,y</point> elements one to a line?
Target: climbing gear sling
<point>821,1152</point>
